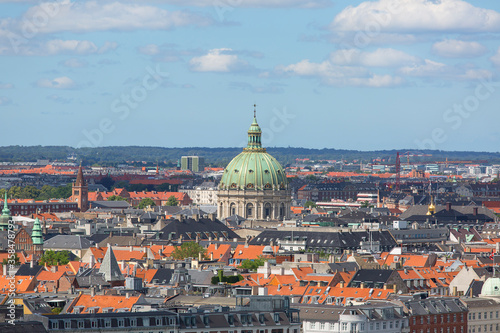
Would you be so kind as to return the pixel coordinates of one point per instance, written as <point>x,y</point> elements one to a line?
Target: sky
<point>364,75</point>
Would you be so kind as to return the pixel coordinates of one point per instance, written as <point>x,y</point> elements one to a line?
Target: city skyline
<point>362,75</point>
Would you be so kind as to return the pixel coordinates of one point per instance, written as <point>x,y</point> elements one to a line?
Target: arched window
<point>250,210</point>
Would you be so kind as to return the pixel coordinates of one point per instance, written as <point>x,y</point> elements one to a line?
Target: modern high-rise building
<point>193,163</point>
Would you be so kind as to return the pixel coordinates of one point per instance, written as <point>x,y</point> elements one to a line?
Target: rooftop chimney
<point>448,206</point>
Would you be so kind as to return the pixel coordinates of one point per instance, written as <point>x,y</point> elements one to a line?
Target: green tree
<point>30,192</point>
<point>7,261</point>
<point>117,198</point>
<point>145,203</point>
<point>172,201</point>
<point>52,258</point>
<point>310,204</point>
<point>15,192</point>
<point>366,204</point>
<point>252,265</point>
<point>189,250</point>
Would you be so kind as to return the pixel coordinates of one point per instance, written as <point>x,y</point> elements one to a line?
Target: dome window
<point>266,171</point>
<point>250,171</point>
<point>267,185</point>
<point>236,170</point>
<point>233,185</point>
<point>249,185</point>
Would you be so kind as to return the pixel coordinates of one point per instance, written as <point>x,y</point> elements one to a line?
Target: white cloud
<point>416,16</point>
<point>432,69</point>
<point>74,63</point>
<point>378,58</point>
<point>428,68</point>
<point>63,82</point>
<point>57,46</point>
<point>495,59</point>
<point>452,48</point>
<point>333,74</point>
<point>100,16</point>
<point>217,60</point>
<point>232,4</point>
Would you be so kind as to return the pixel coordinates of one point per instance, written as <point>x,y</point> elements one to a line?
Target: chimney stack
<point>448,206</point>
<point>475,211</point>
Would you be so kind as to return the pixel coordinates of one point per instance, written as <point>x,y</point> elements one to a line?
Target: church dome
<point>491,287</point>
<point>254,168</point>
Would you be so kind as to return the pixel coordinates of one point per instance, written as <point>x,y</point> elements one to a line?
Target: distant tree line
<point>217,157</point>
<point>31,192</point>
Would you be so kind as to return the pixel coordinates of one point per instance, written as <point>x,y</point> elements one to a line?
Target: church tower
<point>80,191</point>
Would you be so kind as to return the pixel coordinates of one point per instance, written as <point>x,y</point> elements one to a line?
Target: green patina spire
<point>5,210</point>
<point>36,234</point>
<point>254,133</point>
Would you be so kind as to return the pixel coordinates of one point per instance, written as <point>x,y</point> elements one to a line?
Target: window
<point>362,326</point>
<point>93,323</point>
<point>67,324</point>
<point>121,322</point>
<point>479,316</point>
<point>344,326</point>
<point>322,326</point>
<point>107,323</point>
<point>81,324</point>
<point>133,322</point>
<point>55,325</point>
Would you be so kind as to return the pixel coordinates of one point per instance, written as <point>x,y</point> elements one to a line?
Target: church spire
<point>5,210</point>
<point>80,181</point>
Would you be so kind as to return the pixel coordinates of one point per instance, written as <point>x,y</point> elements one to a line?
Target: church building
<point>254,184</point>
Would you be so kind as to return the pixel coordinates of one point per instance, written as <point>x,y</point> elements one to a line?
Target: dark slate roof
<point>163,275</point>
<point>235,220</point>
<point>90,277</point>
<point>97,238</point>
<point>189,228</point>
<point>192,211</point>
<point>149,217</point>
<point>340,266</point>
<point>316,239</point>
<point>373,278</point>
<point>456,214</point>
<point>435,305</point>
<point>121,240</point>
<point>201,277</point>
<point>75,242</point>
<point>110,204</point>
<point>26,270</point>
<point>23,327</point>
<point>475,288</point>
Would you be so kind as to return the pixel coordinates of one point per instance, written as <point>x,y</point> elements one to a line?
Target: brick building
<point>437,315</point>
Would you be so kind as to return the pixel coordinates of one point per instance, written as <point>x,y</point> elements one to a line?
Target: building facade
<point>193,163</point>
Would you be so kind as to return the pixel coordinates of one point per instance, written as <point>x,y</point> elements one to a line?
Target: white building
<point>374,316</point>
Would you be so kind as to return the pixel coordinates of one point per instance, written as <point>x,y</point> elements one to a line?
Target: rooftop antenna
<point>254,110</point>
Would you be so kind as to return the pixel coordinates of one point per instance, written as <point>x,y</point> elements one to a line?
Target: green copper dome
<point>254,168</point>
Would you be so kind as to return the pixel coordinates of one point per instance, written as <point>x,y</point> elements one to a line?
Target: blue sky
<point>364,75</point>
